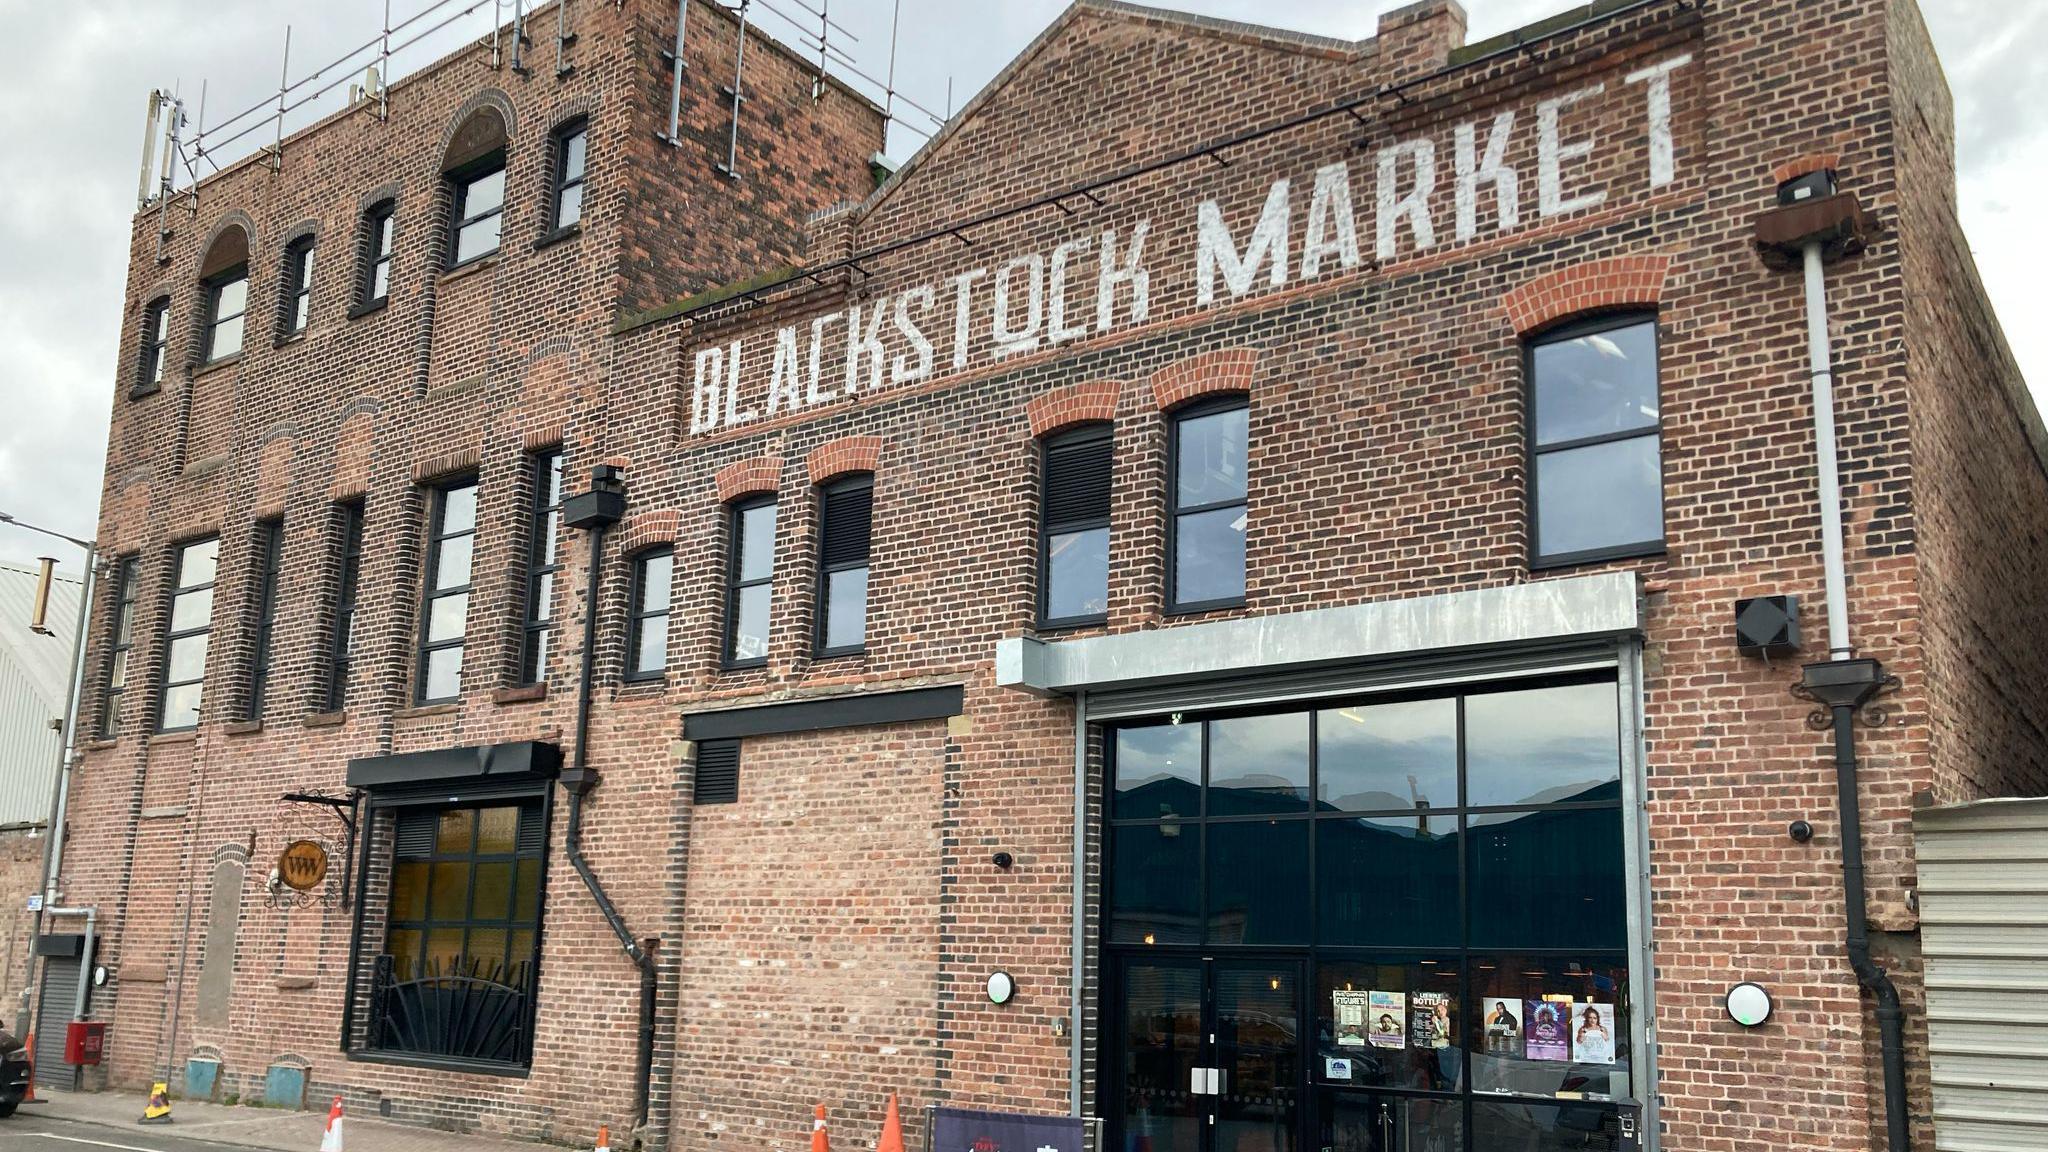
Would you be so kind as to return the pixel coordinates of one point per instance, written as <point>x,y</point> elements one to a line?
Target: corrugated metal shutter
<point>1983,872</point>
<point>54,1010</point>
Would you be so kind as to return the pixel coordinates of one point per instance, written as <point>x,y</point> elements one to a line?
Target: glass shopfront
<point>1390,925</point>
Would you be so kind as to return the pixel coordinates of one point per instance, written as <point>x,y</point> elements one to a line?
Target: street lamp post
<point>60,789</point>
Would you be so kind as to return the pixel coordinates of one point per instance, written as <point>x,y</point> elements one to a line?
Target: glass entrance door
<point>1209,1055</point>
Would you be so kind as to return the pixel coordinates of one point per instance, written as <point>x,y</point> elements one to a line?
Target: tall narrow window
<point>543,561</point>
<point>568,192</point>
<point>269,565</point>
<point>120,642</point>
<point>378,226</point>
<point>479,209</point>
<point>348,562</point>
<point>1208,506</point>
<point>156,324</point>
<point>447,604</point>
<point>1074,527</point>
<point>295,308</point>
<point>647,641</point>
<point>191,623</point>
<point>752,565</point>
<point>845,513</point>
<point>227,298</point>
<point>1596,449</point>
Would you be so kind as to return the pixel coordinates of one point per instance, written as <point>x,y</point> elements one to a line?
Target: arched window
<point>474,168</point>
<point>565,199</point>
<point>1073,526</point>
<point>224,275</point>
<point>845,517</point>
<point>156,323</point>
<point>295,288</point>
<point>373,278</point>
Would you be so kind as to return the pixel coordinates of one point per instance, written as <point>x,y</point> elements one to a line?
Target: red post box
<point>84,1040</point>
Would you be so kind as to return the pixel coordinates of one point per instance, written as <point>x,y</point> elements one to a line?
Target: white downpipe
<point>1839,646</point>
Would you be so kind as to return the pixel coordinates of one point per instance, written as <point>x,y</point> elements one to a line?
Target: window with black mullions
<point>451,544</point>
<point>341,642</point>
<point>569,155</point>
<point>751,563</point>
<point>1595,444</point>
<point>120,644</point>
<point>378,228</point>
<point>543,562</point>
<point>845,521</point>
<point>227,298</point>
<point>647,635</point>
<point>479,209</point>
<point>295,308</point>
<point>1074,527</point>
<point>189,629</point>
<point>269,567</point>
<point>1207,505</point>
<point>156,320</point>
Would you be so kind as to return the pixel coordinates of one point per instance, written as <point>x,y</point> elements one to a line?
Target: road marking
<point>96,1143</point>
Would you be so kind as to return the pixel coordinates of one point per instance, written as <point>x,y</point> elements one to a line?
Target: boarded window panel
<point>718,772</point>
<point>217,967</point>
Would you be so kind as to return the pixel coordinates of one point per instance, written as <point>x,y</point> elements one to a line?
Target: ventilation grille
<point>533,833</point>
<point>1077,481</point>
<point>416,828</point>
<point>847,513</point>
<point>718,772</point>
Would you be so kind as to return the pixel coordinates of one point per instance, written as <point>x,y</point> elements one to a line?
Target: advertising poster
<point>1429,1020</point>
<point>1349,1008</point>
<point>1387,1020</point>
<point>1593,1033</point>
<point>1548,1028</point>
<point>1503,1027</point>
<point>961,1130</point>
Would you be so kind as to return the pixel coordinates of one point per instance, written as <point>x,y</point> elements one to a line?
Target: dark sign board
<point>958,1130</point>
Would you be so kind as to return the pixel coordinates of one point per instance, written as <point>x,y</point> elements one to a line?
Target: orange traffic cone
<point>604,1138</point>
<point>330,1140</point>
<point>29,1097</point>
<point>819,1141</point>
<point>892,1129</point>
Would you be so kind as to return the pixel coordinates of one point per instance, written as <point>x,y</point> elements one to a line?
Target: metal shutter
<point>1077,479</point>
<point>416,828</point>
<point>533,832</point>
<point>60,992</point>
<point>718,772</point>
<point>847,513</point>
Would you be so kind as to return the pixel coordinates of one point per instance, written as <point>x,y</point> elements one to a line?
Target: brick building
<point>1309,484</point>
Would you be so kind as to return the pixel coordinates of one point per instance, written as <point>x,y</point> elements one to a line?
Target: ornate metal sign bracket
<point>326,894</point>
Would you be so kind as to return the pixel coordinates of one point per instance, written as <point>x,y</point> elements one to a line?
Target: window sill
<point>1202,606</point>
<point>102,743</point>
<point>212,366</point>
<point>373,307</point>
<point>442,1063</point>
<point>176,736</point>
<point>431,708</point>
<point>298,337</point>
<point>550,239</point>
<point>839,653</point>
<point>470,267</point>
<point>1597,556</point>
<point>242,727</point>
<point>523,694</point>
<point>334,719</point>
<point>1071,623</point>
<point>643,686</point>
<point>144,393</point>
<point>743,665</point>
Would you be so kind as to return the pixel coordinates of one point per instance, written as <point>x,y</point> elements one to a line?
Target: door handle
<point>1205,1081</point>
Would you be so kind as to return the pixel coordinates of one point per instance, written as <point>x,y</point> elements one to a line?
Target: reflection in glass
<point>1543,746</point>
<point>846,608</point>
<point>1533,1126</point>
<point>1258,764</point>
<point>1596,384</point>
<point>1162,1026</point>
<point>1258,882</point>
<point>1158,771</point>
<point>1077,574</point>
<point>1550,879</point>
<point>1155,884</point>
<point>1210,458</point>
<point>1375,1122</point>
<point>1605,495</point>
<point>1258,1016</point>
<point>1390,881</point>
<point>1386,757</point>
<point>1208,555</point>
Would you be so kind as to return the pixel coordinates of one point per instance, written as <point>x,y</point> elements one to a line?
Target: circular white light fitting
<point>1748,1004</point>
<point>1001,986</point>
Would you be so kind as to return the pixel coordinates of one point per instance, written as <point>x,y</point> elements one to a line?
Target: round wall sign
<point>302,865</point>
<point>1748,1004</point>
<point>1001,986</point>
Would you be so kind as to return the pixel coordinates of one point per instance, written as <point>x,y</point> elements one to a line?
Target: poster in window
<point>1350,1008</point>
<point>1593,1033</point>
<point>1388,1020</point>
<point>1429,1020</point>
<point>1548,1029</point>
<point>1504,1027</point>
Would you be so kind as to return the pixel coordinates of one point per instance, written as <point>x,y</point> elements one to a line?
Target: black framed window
<point>1596,472</point>
<point>156,327</point>
<point>543,563</point>
<point>461,946</point>
<point>647,626</point>
<point>1074,527</point>
<point>479,209</point>
<point>845,521</point>
<point>348,561</point>
<point>1207,505</point>
<point>445,617</point>
<point>120,645</point>
<point>227,298</point>
<point>295,307</point>
<point>569,155</point>
<point>269,567</point>
<point>379,225</point>
<point>718,772</point>
<point>190,626</point>
<point>750,578</point>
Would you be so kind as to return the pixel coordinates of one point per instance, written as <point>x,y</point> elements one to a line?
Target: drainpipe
<point>1080,941</point>
<point>596,511</point>
<point>1813,216</point>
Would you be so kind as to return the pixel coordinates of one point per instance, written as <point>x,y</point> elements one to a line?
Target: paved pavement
<point>83,1121</point>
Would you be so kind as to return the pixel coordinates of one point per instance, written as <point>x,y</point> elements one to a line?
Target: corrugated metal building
<point>1984,936</point>
<point>35,677</point>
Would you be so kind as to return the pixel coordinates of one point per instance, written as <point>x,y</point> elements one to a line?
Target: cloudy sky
<point>79,73</point>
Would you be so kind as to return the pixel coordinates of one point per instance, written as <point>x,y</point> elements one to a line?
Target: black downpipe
<point>579,780</point>
<point>1874,979</point>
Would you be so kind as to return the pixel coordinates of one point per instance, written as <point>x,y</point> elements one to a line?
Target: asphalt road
<point>27,1132</point>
